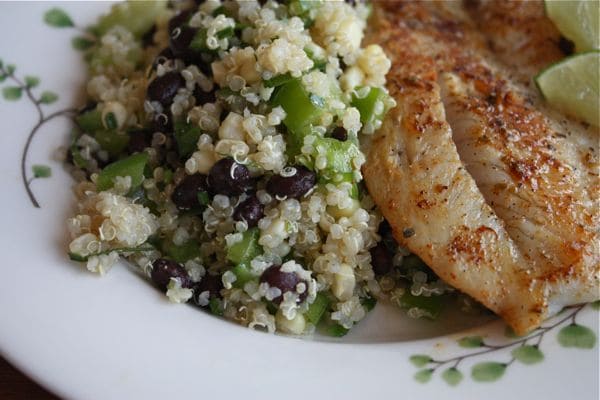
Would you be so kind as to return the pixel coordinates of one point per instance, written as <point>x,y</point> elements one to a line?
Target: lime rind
<point>572,85</point>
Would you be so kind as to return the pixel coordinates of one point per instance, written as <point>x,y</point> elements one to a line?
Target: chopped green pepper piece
<point>245,250</point>
<point>367,105</point>
<point>430,305</point>
<point>225,33</point>
<point>296,102</point>
<point>220,10</point>
<point>215,306</point>
<point>278,80</point>
<point>339,156</point>
<point>135,16</point>
<point>199,41</point>
<point>168,176</point>
<point>132,166</point>
<point>242,274</point>
<point>90,121</point>
<point>112,141</point>
<point>77,257</point>
<point>78,159</point>
<point>337,330</point>
<point>110,121</point>
<point>317,308</point>
<point>369,303</point>
<point>203,198</point>
<point>182,253</point>
<point>186,136</point>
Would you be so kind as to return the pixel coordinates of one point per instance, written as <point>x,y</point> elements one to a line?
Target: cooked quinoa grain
<point>221,155</point>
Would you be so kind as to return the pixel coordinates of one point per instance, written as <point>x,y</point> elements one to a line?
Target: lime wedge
<point>578,20</point>
<point>571,85</point>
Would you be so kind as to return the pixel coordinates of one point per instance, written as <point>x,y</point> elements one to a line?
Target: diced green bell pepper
<point>245,250</point>
<point>111,141</point>
<point>135,16</point>
<point>300,111</point>
<point>182,253</point>
<point>132,166</point>
<point>432,305</point>
<point>369,303</point>
<point>90,121</point>
<point>317,308</point>
<point>339,157</point>
<point>367,105</point>
<point>337,330</point>
<point>242,274</point>
<point>198,43</point>
<point>278,80</point>
<point>216,307</point>
<point>186,136</point>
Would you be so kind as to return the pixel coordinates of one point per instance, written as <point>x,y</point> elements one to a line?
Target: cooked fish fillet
<point>501,195</point>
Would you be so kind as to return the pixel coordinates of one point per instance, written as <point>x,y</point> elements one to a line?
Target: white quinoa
<point>228,89</point>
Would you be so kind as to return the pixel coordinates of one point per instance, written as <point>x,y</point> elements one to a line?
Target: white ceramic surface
<point>116,337</point>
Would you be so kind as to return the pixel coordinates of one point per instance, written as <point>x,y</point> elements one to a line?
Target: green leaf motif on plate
<point>488,371</point>
<point>420,360</point>
<point>471,341</point>
<point>41,171</point>
<point>32,81</point>
<point>48,97</point>
<point>81,43</point>
<point>452,376</point>
<point>12,93</point>
<point>578,336</point>
<point>58,18</point>
<point>528,354</point>
<point>424,375</point>
<point>595,305</point>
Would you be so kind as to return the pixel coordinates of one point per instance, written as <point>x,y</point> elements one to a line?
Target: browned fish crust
<point>522,236</point>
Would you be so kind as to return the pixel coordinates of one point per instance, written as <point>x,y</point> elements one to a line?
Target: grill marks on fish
<point>518,228</point>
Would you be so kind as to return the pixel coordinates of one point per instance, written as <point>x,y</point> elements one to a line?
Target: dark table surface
<point>16,386</point>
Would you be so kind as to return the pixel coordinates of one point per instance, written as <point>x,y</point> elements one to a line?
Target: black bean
<point>340,134</point>
<point>164,88</point>
<point>385,228</point>
<point>203,97</point>
<point>162,57</point>
<point>381,259</point>
<point>180,41</point>
<point>250,210</point>
<point>210,283</point>
<point>285,281</point>
<point>162,123</point>
<point>148,37</point>
<point>229,178</point>
<point>185,195</point>
<point>294,186</point>
<point>163,270</point>
<point>179,20</point>
<point>139,139</point>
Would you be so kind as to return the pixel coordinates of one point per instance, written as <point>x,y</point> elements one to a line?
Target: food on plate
<point>219,152</point>
<point>499,192</point>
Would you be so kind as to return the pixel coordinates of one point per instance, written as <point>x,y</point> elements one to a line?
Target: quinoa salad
<point>219,153</point>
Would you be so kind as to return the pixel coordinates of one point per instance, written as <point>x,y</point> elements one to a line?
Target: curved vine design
<point>14,92</point>
<point>59,19</point>
<point>525,349</point>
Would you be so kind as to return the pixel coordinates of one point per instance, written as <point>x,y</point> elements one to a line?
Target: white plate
<point>116,337</point>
